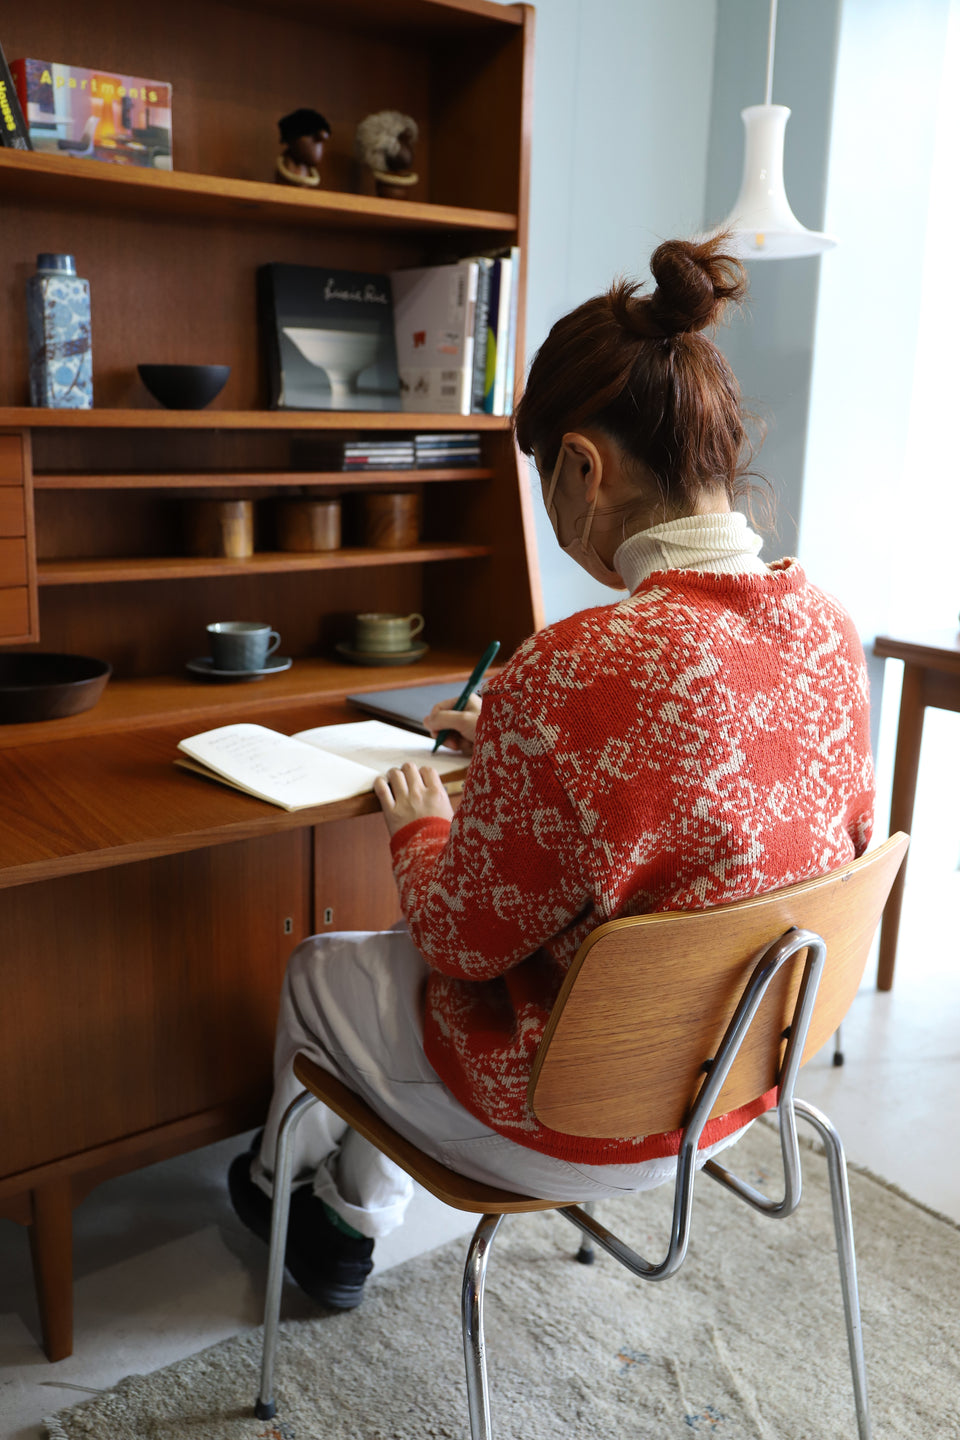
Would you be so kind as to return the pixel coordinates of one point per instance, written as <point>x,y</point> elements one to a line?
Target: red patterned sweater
<point>704,740</point>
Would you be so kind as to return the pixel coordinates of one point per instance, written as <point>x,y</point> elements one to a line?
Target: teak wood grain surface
<point>92,803</point>
<point>647,1000</point>
<point>147,913</point>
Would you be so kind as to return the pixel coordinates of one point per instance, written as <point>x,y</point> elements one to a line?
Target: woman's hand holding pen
<point>461,724</point>
<point>412,793</point>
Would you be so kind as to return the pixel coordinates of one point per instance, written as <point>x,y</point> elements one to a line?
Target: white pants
<point>353,1002</point>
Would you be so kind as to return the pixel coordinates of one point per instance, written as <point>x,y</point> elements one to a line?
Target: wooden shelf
<point>111,571</point>
<point>180,700</point>
<point>261,480</point>
<point>93,185</point>
<point>38,417</point>
<point>456,18</point>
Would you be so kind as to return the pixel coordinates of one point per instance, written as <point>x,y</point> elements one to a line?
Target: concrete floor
<point>163,1269</point>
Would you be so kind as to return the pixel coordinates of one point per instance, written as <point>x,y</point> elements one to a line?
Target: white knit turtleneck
<point>722,544</point>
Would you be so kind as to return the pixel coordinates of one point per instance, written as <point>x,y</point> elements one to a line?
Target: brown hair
<point>637,367</point>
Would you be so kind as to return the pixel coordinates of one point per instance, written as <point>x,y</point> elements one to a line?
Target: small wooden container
<point>220,527</point>
<point>308,525</point>
<point>391,520</point>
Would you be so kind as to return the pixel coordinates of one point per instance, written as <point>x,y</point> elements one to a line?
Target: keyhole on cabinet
<point>288,925</point>
<point>328,915</point>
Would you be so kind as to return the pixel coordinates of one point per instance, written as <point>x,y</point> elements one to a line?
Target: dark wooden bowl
<point>184,387</point>
<point>38,686</point>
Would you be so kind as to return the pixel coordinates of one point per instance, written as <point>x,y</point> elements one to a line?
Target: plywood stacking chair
<point>663,1020</point>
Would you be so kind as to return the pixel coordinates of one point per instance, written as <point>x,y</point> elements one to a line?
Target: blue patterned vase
<point>58,323</point>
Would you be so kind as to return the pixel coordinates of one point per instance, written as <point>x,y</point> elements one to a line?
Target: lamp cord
<point>771,42</point>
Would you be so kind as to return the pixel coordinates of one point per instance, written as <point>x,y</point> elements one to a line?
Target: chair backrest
<point>647,1000</point>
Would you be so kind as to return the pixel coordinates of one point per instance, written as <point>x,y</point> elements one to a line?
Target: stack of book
<point>447,449</point>
<point>392,452</point>
<point>456,329</point>
<point>433,450</point>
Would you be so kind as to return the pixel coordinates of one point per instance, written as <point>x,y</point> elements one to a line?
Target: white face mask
<point>578,549</point>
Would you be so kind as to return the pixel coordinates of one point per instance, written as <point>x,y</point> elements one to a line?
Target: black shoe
<point>328,1265</point>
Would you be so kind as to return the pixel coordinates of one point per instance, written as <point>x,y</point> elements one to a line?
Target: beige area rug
<point>746,1343</point>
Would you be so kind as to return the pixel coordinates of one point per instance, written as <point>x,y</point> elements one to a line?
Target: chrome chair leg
<point>838,1046</point>
<point>587,1253</point>
<point>474,1344</point>
<point>843,1228</point>
<point>266,1407</point>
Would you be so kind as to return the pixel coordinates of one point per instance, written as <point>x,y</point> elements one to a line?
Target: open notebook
<point>313,767</point>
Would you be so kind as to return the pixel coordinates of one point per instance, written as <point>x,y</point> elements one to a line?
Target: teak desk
<point>931,676</point>
<point>146,917</point>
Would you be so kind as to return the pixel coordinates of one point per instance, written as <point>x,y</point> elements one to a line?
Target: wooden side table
<point>931,676</point>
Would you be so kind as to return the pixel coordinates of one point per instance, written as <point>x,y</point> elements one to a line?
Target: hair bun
<point>695,280</point>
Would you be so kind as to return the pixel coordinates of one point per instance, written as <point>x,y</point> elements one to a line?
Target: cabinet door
<point>354,887</point>
<point>18,588</point>
<point>139,996</point>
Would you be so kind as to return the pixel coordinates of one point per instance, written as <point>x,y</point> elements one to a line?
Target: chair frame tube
<point>771,962</point>
<point>474,1342</point>
<point>843,1229</point>
<point>266,1406</point>
<point>768,967</point>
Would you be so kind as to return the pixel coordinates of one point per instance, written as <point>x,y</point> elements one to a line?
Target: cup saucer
<point>203,667</point>
<point>380,657</point>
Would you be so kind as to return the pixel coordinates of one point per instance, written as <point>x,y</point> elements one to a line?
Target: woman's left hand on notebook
<point>413,793</point>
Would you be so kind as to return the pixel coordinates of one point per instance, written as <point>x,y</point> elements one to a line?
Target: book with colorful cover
<point>493,313</point>
<point>328,338</point>
<point>481,328</point>
<point>95,114</point>
<point>434,314</point>
<point>14,133</point>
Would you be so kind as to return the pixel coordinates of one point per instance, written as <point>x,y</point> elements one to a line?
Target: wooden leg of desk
<point>51,1244</point>
<point>906,765</point>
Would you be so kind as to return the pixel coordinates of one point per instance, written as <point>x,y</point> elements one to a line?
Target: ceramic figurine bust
<point>385,143</point>
<point>303,133</point>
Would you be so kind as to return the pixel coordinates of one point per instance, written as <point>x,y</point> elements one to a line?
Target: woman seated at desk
<point>702,740</point>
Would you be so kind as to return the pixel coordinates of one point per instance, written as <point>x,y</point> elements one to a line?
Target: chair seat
<point>453,1189</point>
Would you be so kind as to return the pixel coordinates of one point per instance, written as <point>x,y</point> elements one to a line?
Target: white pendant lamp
<point>761,224</point>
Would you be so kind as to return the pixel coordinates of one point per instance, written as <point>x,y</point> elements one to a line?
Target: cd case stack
<point>447,450</point>
<point>437,450</point>
<point>383,453</point>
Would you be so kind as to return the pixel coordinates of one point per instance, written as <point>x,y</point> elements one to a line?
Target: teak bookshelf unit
<point>147,915</point>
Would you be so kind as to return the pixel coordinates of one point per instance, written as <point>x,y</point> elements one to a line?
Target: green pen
<point>482,666</point>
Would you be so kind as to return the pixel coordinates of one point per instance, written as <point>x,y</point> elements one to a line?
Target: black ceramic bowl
<point>184,387</point>
<point>46,686</point>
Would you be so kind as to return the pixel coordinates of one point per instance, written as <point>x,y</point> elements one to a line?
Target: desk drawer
<point>13,520</point>
<point>13,562</point>
<point>143,995</point>
<point>19,620</point>
<point>15,614</point>
<point>11,459</point>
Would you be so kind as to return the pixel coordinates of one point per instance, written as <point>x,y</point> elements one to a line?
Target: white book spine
<point>469,318</point>
<point>503,339</point>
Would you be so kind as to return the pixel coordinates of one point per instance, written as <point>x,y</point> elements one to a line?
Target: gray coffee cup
<point>241,644</point>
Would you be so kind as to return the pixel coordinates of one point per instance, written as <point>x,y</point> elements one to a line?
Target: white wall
<point>875,526</point>
<point>637,137</point>
<point>621,125</point>
<point>770,345</point>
